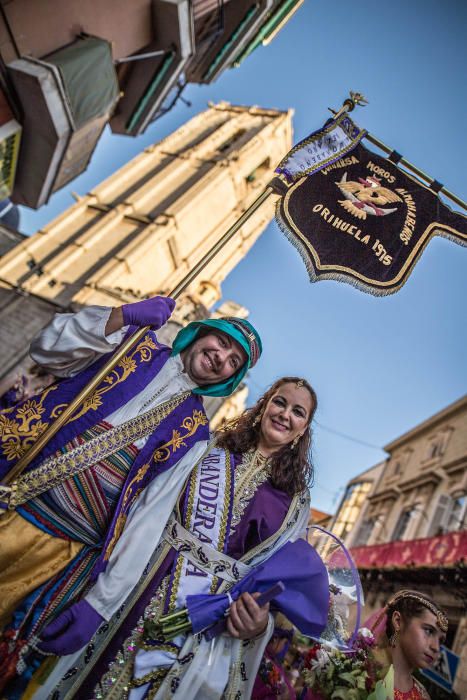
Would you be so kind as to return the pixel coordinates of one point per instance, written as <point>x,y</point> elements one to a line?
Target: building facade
<point>422,489</point>
<point>351,513</point>
<point>410,528</point>
<point>140,231</point>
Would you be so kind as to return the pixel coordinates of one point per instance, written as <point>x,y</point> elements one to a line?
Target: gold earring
<point>295,442</point>
<point>393,639</point>
<point>257,419</point>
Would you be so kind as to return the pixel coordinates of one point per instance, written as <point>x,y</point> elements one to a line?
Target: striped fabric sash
<point>82,507</point>
<point>59,468</point>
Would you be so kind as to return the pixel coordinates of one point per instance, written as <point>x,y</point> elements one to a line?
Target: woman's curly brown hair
<point>291,468</point>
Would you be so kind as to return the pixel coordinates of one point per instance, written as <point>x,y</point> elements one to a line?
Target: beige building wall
<point>422,493</point>
<point>229,408</point>
<point>422,490</point>
<point>351,516</point>
<point>141,230</point>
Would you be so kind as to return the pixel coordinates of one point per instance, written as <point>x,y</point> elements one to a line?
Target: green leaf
<point>361,683</point>
<point>347,677</point>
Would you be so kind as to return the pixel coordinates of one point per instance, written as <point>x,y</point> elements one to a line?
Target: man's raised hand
<point>154,312</point>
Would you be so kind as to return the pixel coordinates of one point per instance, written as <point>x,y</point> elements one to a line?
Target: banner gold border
<point>343,273</point>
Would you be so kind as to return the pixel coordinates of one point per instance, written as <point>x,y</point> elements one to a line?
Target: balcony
<point>66,99</point>
<point>271,27</point>
<point>237,24</point>
<point>148,77</point>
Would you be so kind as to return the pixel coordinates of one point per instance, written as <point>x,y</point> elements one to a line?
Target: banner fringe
<point>348,279</point>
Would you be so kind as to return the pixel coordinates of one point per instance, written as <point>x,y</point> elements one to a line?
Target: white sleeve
<point>141,535</point>
<point>72,342</point>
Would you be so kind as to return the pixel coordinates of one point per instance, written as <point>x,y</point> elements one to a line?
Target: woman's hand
<point>246,619</point>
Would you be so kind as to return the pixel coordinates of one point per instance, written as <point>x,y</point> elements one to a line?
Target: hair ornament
<point>441,618</point>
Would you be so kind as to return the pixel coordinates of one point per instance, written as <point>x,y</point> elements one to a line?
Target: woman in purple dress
<point>195,530</point>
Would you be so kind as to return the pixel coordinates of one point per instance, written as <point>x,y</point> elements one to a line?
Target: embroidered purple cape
<point>22,424</point>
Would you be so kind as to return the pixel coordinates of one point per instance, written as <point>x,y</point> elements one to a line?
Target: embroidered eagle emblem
<point>366,196</point>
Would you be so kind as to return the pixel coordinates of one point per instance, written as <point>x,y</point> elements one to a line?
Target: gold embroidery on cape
<point>156,675</point>
<point>59,468</point>
<point>191,425</point>
<point>191,496</point>
<point>171,607</point>
<point>225,512</point>
<point>176,582</point>
<point>253,471</point>
<point>115,683</point>
<point>21,430</point>
<point>127,365</point>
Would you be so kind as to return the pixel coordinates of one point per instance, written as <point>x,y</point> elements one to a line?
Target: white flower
<point>365,632</point>
<point>320,661</point>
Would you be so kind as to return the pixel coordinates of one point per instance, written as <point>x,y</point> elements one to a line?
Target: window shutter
<point>441,515</point>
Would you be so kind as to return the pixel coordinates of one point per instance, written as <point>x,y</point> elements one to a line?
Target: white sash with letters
<point>200,561</point>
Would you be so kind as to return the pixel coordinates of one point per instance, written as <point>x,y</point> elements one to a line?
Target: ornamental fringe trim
<point>437,230</point>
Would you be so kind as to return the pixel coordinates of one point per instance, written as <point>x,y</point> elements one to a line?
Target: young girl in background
<point>415,628</point>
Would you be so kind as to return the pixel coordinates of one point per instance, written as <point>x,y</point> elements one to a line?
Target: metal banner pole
<point>416,171</point>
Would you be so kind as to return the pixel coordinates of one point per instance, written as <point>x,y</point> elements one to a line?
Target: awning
<point>66,99</point>
<point>88,77</point>
<point>443,551</point>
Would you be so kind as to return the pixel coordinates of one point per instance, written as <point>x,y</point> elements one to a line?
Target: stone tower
<point>141,230</point>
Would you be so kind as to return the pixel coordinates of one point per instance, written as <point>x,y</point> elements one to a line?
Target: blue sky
<point>379,365</point>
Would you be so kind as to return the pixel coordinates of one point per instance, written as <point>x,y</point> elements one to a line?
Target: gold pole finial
<point>355,99</point>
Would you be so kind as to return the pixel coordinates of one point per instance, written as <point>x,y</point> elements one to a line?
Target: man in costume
<point>68,510</point>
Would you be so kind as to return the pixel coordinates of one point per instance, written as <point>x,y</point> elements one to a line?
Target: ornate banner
<point>362,220</point>
<point>445,550</point>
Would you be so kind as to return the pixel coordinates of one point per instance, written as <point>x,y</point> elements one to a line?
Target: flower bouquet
<point>294,573</point>
<point>334,674</point>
